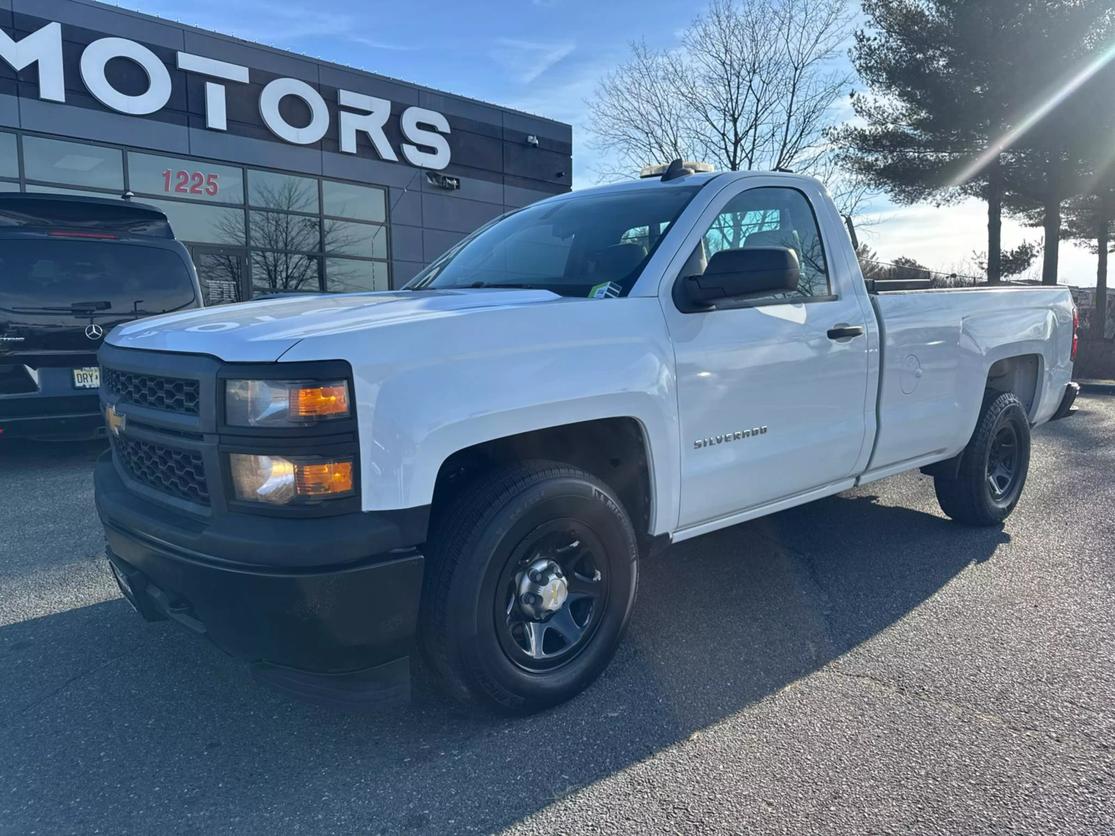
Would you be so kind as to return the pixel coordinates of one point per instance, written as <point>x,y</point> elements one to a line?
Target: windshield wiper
<point>517,286</point>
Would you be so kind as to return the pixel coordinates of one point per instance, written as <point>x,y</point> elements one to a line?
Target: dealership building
<point>279,172</point>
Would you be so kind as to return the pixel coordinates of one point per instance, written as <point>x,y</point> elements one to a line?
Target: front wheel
<point>531,577</point>
<point>993,466</point>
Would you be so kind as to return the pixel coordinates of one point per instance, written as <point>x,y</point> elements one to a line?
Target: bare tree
<point>752,86</point>
<point>638,114</point>
<point>286,248</point>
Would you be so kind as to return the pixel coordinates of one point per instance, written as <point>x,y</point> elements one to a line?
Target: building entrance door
<point>222,272</point>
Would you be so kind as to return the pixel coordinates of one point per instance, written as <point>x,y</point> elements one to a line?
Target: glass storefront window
<point>346,275</point>
<point>220,273</point>
<point>275,272</point>
<point>354,239</point>
<point>73,164</point>
<point>280,231</point>
<point>202,224</point>
<point>361,203</point>
<point>9,158</point>
<point>290,233</point>
<point>33,189</point>
<point>189,179</point>
<point>284,192</point>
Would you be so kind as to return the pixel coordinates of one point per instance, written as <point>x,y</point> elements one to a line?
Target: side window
<point>769,217</point>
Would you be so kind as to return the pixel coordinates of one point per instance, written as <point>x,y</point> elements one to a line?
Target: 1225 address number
<point>191,182</point>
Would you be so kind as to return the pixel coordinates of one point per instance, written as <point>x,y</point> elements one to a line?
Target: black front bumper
<point>340,630</point>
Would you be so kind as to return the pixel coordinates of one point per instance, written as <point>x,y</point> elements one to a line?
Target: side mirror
<point>732,274</point>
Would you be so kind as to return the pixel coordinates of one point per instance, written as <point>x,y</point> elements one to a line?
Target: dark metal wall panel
<point>454,214</point>
<point>437,241</point>
<point>406,242</point>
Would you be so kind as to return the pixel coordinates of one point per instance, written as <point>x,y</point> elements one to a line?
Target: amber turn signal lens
<point>319,401</point>
<point>325,479</point>
<point>277,480</point>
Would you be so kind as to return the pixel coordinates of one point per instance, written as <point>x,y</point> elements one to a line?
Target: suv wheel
<point>531,577</point>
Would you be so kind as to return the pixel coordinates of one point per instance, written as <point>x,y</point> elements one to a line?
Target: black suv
<point>71,268</point>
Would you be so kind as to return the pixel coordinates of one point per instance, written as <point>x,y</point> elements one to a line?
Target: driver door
<point>771,404</point>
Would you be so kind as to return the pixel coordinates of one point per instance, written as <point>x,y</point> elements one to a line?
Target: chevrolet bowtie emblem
<point>116,421</point>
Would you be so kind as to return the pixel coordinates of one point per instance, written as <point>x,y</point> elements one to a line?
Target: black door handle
<point>845,332</point>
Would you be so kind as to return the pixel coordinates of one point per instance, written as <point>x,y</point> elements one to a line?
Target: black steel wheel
<point>551,595</point>
<point>530,579</point>
<point>1002,461</point>
<point>992,469</point>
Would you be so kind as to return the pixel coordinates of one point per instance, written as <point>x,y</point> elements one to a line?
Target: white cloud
<point>372,43</point>
<point>528,60</point>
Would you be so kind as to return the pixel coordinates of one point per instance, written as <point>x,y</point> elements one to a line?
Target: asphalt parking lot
<point>857,665</point>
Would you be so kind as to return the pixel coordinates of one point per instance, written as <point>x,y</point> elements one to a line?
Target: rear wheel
<point>993,466</point>
<point>531,577</point>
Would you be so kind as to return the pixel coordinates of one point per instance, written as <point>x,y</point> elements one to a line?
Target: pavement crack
<point>39,701</point>
<point>814,588</point>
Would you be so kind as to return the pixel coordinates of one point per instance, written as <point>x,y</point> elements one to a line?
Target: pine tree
<point>1090,219</point>
<point>955,89</point>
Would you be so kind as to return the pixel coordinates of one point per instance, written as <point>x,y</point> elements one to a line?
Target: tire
<point>993,466</point>
<point>488,627</point>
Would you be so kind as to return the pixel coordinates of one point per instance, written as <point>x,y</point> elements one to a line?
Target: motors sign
<point>424,131</point>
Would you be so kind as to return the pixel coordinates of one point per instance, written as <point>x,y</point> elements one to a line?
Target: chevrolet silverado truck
<point>472,467</point>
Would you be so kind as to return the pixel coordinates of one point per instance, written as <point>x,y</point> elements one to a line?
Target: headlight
<point>285,403</point>
<point>279,480</point>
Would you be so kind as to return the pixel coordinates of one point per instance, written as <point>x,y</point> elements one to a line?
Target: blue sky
<point>545,57</point>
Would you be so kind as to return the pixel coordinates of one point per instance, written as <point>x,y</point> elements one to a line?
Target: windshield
<point>43,275</point>
<point>594,245</point>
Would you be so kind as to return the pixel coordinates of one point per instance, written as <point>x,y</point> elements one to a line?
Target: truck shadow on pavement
<point>97,707</point>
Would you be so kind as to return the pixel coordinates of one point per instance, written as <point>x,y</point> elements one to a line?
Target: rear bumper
<point>339,633</point>
<point>37,416</point>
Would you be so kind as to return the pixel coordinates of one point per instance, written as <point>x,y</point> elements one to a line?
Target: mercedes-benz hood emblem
<point>94,331</point>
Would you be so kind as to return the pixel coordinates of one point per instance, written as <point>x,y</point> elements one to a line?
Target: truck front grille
<point>170,394</point>
<point>180,473</point>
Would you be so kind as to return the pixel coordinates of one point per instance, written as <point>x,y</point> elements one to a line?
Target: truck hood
<point>263,331</point>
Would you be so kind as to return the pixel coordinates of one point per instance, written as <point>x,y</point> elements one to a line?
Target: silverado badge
<point>737,435</point>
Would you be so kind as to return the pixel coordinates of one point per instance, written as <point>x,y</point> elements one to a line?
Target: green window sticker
<point>606,290</point>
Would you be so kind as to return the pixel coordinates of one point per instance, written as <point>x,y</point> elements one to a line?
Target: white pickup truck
<point>474,465</point>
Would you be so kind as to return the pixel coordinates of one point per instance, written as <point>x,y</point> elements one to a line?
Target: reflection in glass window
<point>361,203</point>
<point>202,224</point>
<point>190,179</point>
<point>282,191</point>
<point>280,231</point>
<point>220,275</point>
<point>357,240</point>
<point>33,189</point>
<point>73,164</point>
<point>8,187</point>
<point>274,272</point>
<point>346,275</point>
<point>772,217</point>
<point>9,159</point>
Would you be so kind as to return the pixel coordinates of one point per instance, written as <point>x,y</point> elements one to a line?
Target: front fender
<point>427,389</point>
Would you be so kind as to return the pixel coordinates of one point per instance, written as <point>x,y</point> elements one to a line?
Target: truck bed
<point>936,346</point>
